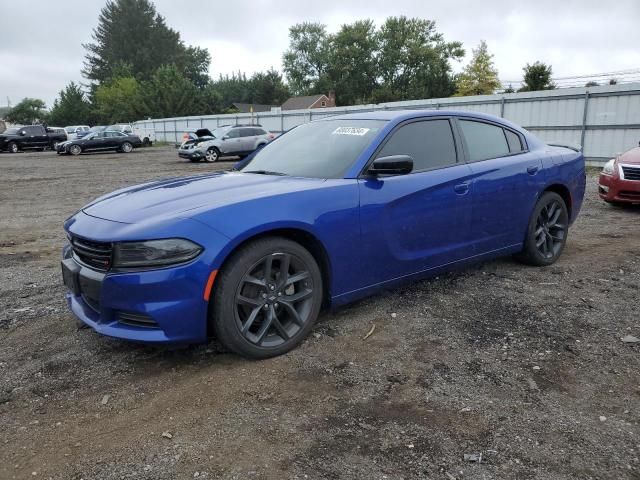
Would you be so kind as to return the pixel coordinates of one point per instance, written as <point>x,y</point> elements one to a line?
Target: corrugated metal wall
<point>603,120</point>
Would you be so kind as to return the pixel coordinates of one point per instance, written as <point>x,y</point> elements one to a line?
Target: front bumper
<point>157,306</point>
<point>191,154</point>
<point>614,189</point>
<point>165,305</point>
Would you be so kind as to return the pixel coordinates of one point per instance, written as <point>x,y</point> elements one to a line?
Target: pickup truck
<point>30,137</point>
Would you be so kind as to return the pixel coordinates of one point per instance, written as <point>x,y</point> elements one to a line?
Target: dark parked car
<point>30,137</point>
<point>100,141</point>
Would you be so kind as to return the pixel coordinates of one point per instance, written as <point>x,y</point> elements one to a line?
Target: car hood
<point>186,196</point>
<point>631,156</point>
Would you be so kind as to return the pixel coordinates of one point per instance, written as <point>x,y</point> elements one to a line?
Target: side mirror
<point>22,133</point>
<point>391,165</point>
<point>226,137</point>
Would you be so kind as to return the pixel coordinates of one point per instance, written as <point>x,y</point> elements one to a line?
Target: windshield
<point>322,149</point>
<point>11,131</point>
<point>219,132</point>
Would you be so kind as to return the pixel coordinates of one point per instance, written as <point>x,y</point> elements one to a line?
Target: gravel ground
<point>522,368</point>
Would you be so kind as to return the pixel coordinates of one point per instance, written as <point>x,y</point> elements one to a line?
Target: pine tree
<point>480,77</point>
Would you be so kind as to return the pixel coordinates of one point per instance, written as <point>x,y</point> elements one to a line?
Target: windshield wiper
<point>265,172</point>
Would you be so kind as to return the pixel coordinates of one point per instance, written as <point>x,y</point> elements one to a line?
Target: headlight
<point>154,253</point>
<point>608,167</point>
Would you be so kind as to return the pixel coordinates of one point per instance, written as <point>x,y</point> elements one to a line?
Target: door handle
<point>461,188</point>
<point>532,170</point>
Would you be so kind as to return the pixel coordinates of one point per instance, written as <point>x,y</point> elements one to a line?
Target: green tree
<point>119,100</point>
<point>169,94</point>
<point>71,107</point>
<point>268,88</point>
<point>509,89</point>
<point>537,77</point>
<point>414,60</point>
<point>353,62</point>
<point>480,76</point>
<point>132,35</point>
<point>307,59</point>
<point>27,112</point>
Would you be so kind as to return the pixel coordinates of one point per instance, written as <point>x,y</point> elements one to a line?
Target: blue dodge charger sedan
<point>334,210</point>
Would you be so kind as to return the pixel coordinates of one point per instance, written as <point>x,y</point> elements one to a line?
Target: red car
<point>620,178</point>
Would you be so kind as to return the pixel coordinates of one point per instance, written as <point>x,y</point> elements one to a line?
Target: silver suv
<point>236,140</point>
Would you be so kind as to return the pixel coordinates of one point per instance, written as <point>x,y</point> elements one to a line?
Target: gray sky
<point>41,51</point>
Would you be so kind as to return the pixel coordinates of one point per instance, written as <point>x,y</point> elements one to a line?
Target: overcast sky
<point>41,51</point>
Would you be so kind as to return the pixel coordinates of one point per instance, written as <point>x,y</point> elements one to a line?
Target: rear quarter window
<point>484,140</point>
<point>513,139</point>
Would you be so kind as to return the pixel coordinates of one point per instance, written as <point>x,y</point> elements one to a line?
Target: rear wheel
<point>267,298</point>
<point>146,142</point>
<point>126,147</point>
<point>547,231</point>
<point>75,150</point>
<point>212,155</point>
<point>13,147</point>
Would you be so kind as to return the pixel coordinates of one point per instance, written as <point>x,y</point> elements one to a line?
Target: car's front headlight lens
<point>154,253</point>
<point>608,167</point>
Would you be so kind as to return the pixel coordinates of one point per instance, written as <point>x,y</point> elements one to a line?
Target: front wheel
<point>75,150</point>
<point>126,147</point>
<point>267,298</point>
<point>547,231</point>
<point>212,155</point>
<point>13,147</point>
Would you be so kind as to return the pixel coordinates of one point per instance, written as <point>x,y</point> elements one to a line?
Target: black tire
<point>12,147</point>
<point>146,142</point>
<point>212,155</point>
<point>75,150</point>
<point>547,231</point>
<point>258,314</point>
<point>126,147</point>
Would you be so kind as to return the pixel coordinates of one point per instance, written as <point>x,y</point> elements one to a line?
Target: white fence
<point>602,120</point>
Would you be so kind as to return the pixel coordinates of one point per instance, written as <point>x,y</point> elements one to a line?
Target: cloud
<point>41,53</point>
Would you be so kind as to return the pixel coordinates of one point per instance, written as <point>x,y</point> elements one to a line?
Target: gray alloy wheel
<point>126,147</point>
<point>266,298</point>
<point>547,231</point>
<point>212,155</point>
<point>13,147</point>
<point>75,149</point>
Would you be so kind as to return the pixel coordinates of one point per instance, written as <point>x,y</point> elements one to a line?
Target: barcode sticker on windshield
<point>350,131</point>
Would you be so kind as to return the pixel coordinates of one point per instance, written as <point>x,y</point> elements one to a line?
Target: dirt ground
<point>523,368</point>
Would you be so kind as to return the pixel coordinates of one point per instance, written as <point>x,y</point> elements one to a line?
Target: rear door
<point>416,222</point>
<point>507,179</point>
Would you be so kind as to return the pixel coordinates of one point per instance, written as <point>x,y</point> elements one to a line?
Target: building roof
<point>299,103</point>
<point>257,107</point>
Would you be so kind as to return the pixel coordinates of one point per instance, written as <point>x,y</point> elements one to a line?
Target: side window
<point>246,132</point>
<point>430,143</point>
<point>233,133</point>
<point>484,141</point>
<point>513,139</point>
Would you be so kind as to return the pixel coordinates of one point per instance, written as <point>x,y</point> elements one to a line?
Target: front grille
<point>96,255</point>
<point>631,173</point>
<point>136,320</point>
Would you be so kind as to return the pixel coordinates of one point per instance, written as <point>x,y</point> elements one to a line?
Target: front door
<point>416,222</point>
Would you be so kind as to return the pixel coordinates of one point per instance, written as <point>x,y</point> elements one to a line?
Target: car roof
<point>400,115</point>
